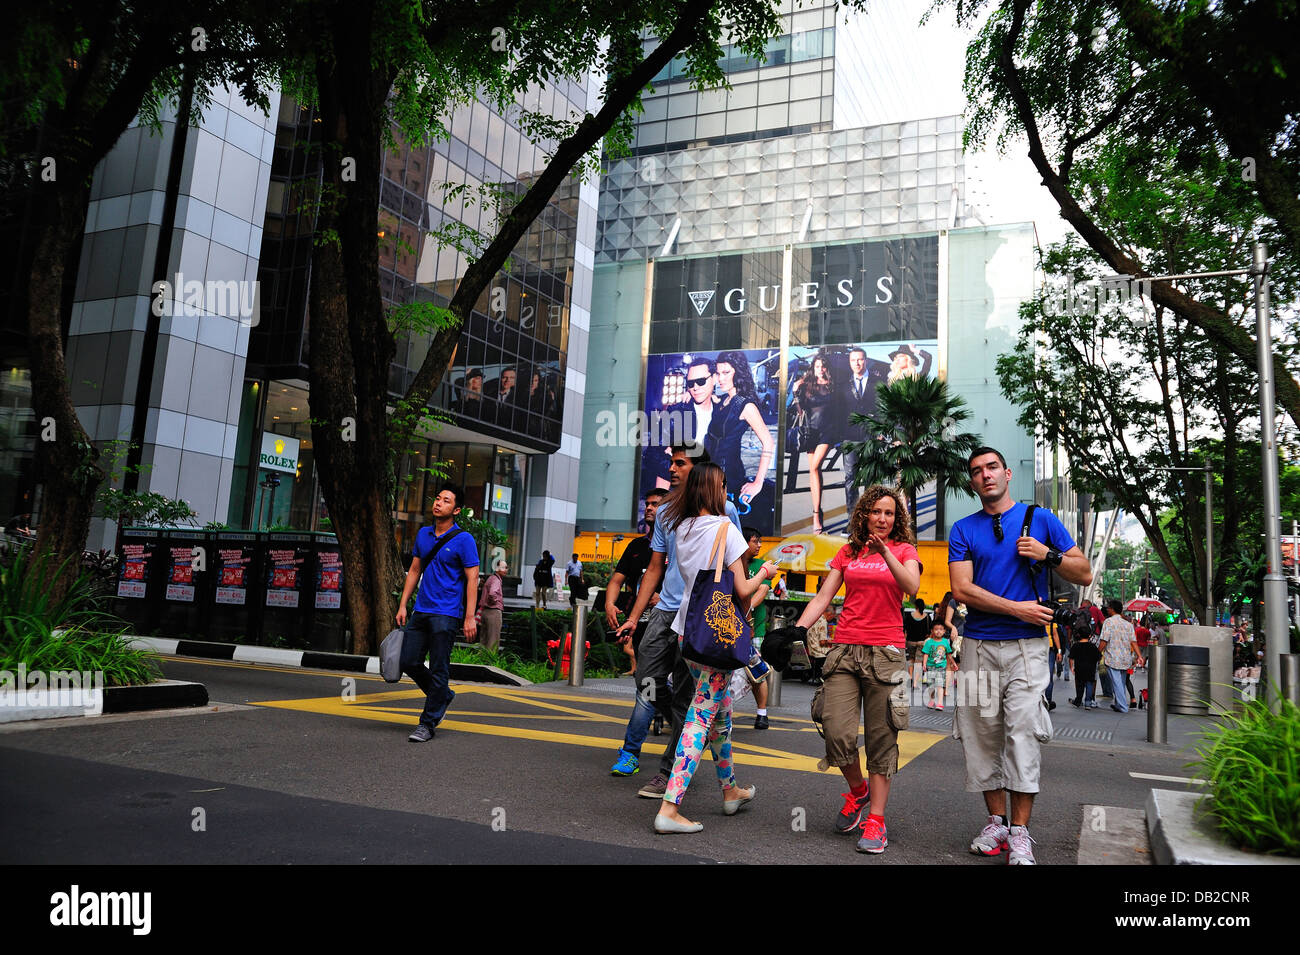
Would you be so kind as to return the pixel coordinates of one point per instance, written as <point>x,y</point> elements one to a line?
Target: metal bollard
<point>773,687</point>
<point>1157,717</point>
<point>578,655</point>
<point>1289,671</point>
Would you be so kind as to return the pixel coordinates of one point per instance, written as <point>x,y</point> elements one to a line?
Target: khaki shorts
<point>866,682</point>
<point>1002,718</point>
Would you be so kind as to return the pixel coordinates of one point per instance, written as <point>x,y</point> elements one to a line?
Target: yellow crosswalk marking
<point>523,705</point>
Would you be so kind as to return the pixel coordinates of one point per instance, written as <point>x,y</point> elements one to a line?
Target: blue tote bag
<point>717,634</point>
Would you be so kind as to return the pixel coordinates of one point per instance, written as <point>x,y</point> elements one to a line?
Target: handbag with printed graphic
<point>716,634</point>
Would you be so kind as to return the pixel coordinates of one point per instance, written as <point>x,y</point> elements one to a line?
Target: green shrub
<point>82,649</point>
<point>26,605</point>
<point>1252,762</point>
<point>73,633</point>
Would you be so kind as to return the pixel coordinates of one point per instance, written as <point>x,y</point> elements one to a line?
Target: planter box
<point>1182,836</point>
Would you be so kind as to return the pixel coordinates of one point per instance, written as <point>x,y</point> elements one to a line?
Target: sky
<point>916,71</point>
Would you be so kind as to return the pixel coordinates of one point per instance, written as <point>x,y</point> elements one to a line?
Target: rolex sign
<point>279,453</point>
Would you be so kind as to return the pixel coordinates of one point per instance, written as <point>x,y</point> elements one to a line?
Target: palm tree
<point>916,439</point>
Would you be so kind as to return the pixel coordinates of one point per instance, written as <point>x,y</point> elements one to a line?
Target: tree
<point>1126,393</point>
<point>371,66</point>
<point>77,73</point>
<point>915,439</point>
<point>1131,83</point>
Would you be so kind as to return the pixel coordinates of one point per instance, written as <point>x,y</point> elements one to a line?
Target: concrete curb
<point>1182,836</point>
<point>313,659</point>
<point>163,695</point>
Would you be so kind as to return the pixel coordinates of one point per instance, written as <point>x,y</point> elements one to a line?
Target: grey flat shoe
<point>732,806</point>
<point>422,734</point>
<point>665,826</point>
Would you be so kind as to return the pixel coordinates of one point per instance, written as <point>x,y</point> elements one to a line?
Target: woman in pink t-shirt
<point>865,670</point>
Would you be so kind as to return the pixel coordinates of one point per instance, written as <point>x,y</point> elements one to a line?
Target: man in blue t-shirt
<point>444,564</point>
<point>658,655</point>
<point>996,573</point>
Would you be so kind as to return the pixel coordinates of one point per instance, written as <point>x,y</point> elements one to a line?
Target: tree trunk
<point>66,460</point>
<point>351,345</point>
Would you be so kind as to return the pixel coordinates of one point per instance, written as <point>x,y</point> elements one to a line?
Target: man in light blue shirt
<point>658,654</point>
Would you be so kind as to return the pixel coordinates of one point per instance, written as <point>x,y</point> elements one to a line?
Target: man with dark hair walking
<point>627,574</point>
<point>444,565</point>
<point>991,567</point>
<point>1119,650</point>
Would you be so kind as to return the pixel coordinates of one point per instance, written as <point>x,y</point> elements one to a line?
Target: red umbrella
<point>1146,604</point>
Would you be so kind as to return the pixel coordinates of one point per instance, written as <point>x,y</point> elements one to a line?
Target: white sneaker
<point>1022,847</point>
<point>992,839</point>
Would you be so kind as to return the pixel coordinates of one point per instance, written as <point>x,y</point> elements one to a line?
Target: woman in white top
<point>696,510</point>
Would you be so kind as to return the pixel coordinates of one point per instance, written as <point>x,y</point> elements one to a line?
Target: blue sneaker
<point>625,765</point>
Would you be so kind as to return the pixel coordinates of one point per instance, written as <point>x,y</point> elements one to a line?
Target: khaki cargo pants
<point>866,682</point>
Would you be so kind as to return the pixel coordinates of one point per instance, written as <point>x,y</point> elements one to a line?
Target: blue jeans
<point>1117,678</point>
<point>638,727</point>
<point>431,634</point>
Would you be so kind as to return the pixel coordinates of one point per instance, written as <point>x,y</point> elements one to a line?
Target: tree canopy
<point>1137,113</point>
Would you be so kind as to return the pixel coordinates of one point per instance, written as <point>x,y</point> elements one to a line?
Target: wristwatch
<point>1053,558</point>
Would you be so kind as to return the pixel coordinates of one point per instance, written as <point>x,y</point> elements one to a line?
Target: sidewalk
<point>1101,728</point>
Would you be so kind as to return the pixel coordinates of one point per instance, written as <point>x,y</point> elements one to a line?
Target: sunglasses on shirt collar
<point>997,528</point>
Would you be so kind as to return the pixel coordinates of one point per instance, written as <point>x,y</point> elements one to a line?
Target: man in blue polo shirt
<point>658,655</point>
<point>445,565</point>
<point>990,567</point>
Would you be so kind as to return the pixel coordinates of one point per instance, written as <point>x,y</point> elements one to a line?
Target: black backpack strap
<point>1029,564</point>
<point>1029,520</point>
<point>425,561</point>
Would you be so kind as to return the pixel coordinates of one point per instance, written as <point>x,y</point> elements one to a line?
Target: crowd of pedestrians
<point>993,621</point>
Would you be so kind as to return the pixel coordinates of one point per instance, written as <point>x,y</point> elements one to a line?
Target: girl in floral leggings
<point>696,510</point>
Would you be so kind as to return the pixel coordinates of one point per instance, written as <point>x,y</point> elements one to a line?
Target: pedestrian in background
<point>759,620</point>
<point>577,587</point>
<point>1085,656</point>
<point>491,602</point>
<point>819,635</point>
<point>916,628</point>
<point>937,651</point>
<point>1119,649</point>
<point>542,579</point>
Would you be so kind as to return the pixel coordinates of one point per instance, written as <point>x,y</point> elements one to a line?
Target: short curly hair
<point>859,532</point>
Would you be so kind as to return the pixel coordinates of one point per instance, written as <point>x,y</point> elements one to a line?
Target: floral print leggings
<point>709,716</point>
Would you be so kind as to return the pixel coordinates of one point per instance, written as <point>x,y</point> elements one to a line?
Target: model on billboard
<point>860,398</point>
<point>726,401</point>
<point>732,417</point>
<point>815,397</point>
<point>829,384</point>
<point>905,362</point>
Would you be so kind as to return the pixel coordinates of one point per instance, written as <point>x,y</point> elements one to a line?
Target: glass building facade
<point>223,385</point>
<point>505,393</point>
